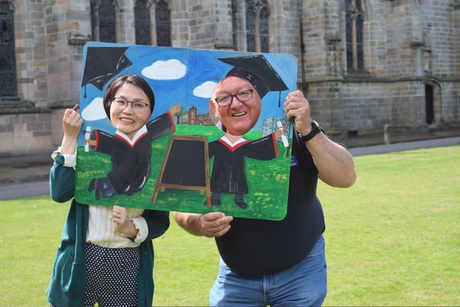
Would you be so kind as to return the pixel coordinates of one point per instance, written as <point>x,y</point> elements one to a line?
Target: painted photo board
<point>183,159</point>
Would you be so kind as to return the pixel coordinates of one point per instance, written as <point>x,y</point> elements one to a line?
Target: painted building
<point>363,64</point>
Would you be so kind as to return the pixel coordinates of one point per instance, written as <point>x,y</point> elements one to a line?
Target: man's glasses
<point>121,103</point>
<point>226,100</point>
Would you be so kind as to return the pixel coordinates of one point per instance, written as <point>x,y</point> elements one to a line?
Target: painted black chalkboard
<point>185,166</point>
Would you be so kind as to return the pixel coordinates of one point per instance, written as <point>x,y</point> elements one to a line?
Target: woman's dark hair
<point>122,80</point>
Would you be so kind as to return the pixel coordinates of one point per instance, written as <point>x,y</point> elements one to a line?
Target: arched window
<point>143,25</point>
<point>103,22</point>
<point>354,35</point>
<point>163,23</point>
<point>257,14</point>
<point>8,83</point>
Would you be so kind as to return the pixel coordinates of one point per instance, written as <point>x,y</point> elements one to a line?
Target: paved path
<point>41,187</point>
<point>22,190</point>
<point>378,149</point>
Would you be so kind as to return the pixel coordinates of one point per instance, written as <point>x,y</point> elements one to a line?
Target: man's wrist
<point>315,130</point>
<point>197,229</point>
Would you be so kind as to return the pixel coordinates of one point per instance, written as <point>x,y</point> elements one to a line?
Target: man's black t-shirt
<point>254,248</point>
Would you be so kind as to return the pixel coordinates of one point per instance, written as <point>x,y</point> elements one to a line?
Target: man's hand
<point>211,225</point>
<point>214,224</point>
<point>297,107</point>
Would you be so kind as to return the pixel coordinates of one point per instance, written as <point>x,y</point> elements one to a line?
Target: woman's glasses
<point>138,106</point>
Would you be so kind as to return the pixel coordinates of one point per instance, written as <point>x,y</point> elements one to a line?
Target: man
<point>279,262</point>
<point>237,114</point>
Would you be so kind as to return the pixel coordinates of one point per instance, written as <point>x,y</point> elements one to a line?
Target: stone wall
<point>25,133</point>
<point>408,44</point>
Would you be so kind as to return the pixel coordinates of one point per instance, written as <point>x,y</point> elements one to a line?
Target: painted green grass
<point>267,181</point>
<point>393,239</point>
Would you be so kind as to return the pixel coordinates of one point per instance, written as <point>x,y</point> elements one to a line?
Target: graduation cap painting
<point>102,64</point>
<point>258,71</point>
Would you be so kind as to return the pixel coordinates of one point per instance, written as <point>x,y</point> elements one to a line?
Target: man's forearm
<point>189,222</point>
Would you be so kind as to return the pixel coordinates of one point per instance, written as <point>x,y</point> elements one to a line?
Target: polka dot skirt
<point>111,276</point>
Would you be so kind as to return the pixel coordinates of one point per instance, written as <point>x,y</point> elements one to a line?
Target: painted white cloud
<point>205,89</point>
<point>165,70</point>
<point>94,111</point>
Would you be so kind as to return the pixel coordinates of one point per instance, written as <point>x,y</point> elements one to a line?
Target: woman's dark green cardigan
<point>67,286</point>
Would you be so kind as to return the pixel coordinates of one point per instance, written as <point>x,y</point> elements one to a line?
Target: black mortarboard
<point>102,64</point>
<point>258,71</point>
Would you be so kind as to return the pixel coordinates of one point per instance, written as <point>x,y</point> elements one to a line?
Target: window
<point>257,14</point>
<point>250,25</point>
<point>429,104</point>
<point>143,25</point>
<point>354,35</point>
<point>163,23</point>
<point>235,23</point>
<point>8,83</point>
<point>103,22</point>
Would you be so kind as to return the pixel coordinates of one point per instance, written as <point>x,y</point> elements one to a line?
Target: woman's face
<point>238,117</point>
<point>129,119</point>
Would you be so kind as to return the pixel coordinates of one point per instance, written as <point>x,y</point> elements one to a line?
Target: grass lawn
<point>393,239</point>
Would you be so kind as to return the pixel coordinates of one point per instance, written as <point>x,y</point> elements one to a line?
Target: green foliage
<point>391,240</point>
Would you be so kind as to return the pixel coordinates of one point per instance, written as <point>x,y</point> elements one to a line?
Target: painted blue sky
<point>181,76</point>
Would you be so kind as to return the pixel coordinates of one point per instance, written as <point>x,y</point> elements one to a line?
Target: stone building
<point>363,64</point>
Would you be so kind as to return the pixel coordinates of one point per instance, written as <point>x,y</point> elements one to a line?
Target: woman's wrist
<point>129,229</point>
<point>68,145</point>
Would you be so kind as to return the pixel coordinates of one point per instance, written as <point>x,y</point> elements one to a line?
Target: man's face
<point>238,117</point>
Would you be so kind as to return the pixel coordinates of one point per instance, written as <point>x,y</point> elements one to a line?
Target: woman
<point>106,253</point>
<point>130,147</point>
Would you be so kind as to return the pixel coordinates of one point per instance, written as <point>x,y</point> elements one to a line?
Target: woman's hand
<point>71,123</point>
<point>122,222</point>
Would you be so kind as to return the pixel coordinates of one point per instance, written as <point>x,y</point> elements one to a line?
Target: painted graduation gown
<point>228,171</point>
<point>131,158</point>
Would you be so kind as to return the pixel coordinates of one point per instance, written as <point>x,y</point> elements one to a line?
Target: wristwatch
<point>315,129</point>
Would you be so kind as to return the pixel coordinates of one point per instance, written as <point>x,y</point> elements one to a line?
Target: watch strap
<point>315,129</point>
